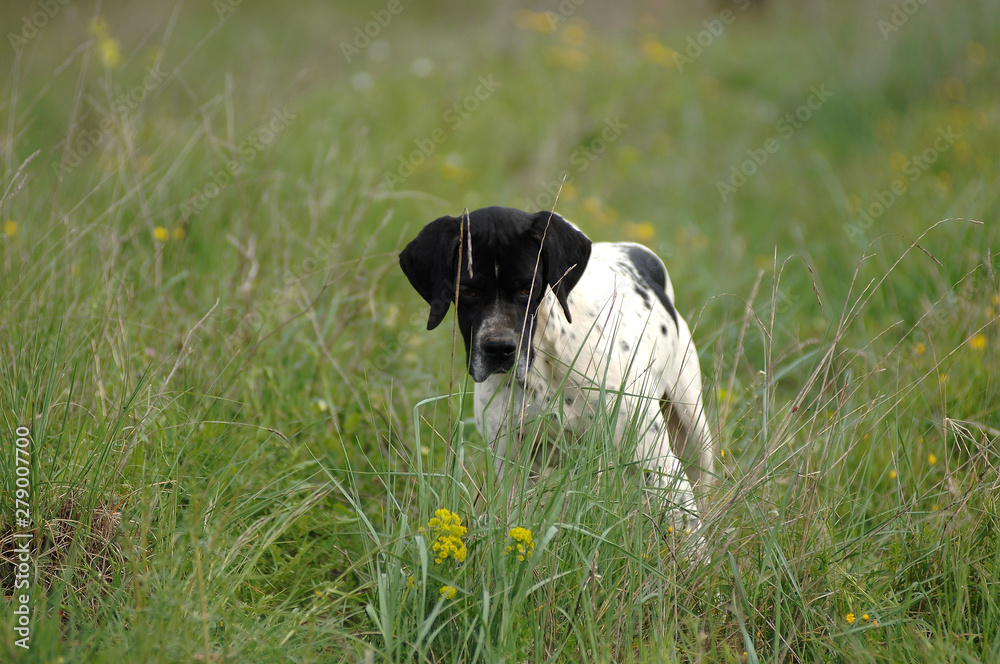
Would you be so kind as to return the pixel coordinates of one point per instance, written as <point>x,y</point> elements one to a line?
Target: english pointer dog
<point>553,321</point>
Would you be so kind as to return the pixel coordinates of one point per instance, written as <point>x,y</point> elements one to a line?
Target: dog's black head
<point>501,260</point>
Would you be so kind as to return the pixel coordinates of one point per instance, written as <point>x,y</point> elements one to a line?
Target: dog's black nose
<point>499,348</point>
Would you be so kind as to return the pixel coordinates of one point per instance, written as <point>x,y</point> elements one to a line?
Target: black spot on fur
<point>663,329</point>
<point>625,347</point>
<point>643,293</point>
<point>650,269</point>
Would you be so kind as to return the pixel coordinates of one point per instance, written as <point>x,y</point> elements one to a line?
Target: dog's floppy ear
<point>565,252</point>
<point>428,263</point>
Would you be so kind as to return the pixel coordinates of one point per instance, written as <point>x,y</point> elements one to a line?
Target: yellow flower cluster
<point>643,231</point>
<point>519,540</point>
<point>448,592</point>
<point>161,234</point>
<point>108,47</point>
<point>449,531</point>
<point>865,618</point>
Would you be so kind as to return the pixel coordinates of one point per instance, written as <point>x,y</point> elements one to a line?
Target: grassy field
<point>239,431</point>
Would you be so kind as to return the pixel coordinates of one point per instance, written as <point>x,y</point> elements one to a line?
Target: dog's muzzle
<point>498,345</point>
<point>493,352</point>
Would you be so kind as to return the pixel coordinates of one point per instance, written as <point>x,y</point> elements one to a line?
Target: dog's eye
<point>526,291</point>
<point>466,291</point>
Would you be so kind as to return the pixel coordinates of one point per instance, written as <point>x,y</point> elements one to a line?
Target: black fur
<point>650,270</point>
<point>508,259</point>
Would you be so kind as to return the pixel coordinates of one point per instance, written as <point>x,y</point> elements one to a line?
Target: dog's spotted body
<point>546,314</point>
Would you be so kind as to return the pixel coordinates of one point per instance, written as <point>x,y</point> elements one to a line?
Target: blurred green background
<point>203,321</point>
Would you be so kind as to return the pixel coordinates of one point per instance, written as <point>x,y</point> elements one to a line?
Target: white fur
<point>607,311</point>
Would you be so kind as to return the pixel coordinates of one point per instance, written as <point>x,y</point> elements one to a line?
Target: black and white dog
<point>568,319</point>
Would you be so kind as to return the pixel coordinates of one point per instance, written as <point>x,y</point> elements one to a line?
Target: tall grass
<point>843,527</point>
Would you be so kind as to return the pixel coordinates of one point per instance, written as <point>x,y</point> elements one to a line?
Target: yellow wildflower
<point>178,233</point>
<point>921,348</point>
<point>898,161</point>
<point>108,47</point>
<point>849,618</point>
<point>525,19</point>
<point>448,529</point>
<point>111,52</point>
<point>453,169</point>
<point>570,58</point>
<point>99,27</point>
<point>411,582</point>
<point>10,228</point>
<point>447,523</point>
<point>975,52</point>
<point>160,233</point>
<point>854,203</point>
<point>931,459</point>
<point>641,232</point>
<point>575,33</point>
<point>448,546</point>
<point>978,342</point>
<point>865,617</point>
<point>953,88</point>
<point>519,540</point>
<point>592,205</point>
<point>892,474</point>
<point>657,53</point>
<point>448,592</point>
